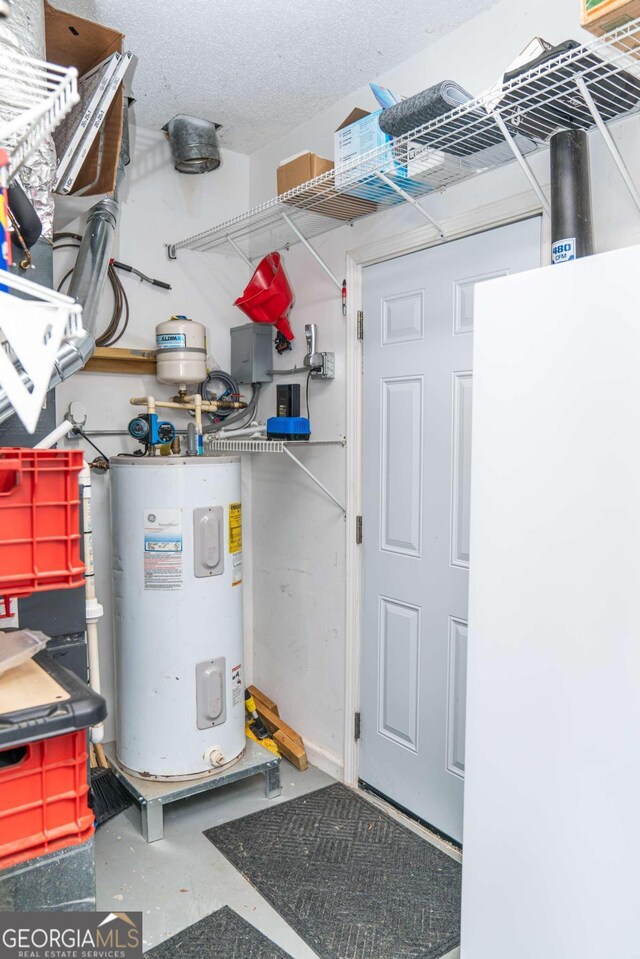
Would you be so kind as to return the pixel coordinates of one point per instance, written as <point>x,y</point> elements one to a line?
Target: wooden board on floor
<point>291,750</point>
<point>261,697</point>
<point>273,723</point>
<point>289,741</point>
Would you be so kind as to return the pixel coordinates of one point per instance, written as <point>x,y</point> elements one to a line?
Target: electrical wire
<point>76,429</point>
<point>117,325</point>
<point>26,261</point>
<point>120,314</point>
<point>143,276</point>
<point>114,331</point>
<point>231,390</point>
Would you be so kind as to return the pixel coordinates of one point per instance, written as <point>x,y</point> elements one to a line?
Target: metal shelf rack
<point>587,86</point>
<point>260,444</point>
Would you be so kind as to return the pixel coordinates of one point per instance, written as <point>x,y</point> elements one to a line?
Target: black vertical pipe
<point>571,219</point>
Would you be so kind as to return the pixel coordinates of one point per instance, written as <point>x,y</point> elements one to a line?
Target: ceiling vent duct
<point>194,143</point>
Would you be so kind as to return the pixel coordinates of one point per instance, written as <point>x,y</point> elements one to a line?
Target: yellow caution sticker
<point>235,527</point>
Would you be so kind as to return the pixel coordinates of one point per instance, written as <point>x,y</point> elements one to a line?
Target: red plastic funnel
<point>268,296</point>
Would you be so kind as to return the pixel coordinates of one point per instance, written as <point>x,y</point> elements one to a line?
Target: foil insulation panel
<point>24,31</point>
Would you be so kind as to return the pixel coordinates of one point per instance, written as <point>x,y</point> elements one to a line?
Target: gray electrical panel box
<point>252,353</point>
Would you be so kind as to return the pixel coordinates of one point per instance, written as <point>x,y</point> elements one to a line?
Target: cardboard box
<point>601,16</point>
<point>356,136</point>
<point>299,170</point>
<point>359,133</point>
<point>75,42</point>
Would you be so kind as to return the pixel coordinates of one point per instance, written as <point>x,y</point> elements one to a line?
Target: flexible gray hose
<point>240,416</point>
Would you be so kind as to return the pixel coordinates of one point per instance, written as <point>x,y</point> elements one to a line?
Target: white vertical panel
<point>461,469</point>
<point>457,695</point>
<point>399,644</point>
<point>401,465</point>
<point>403,317</point>
<point>551,837</point>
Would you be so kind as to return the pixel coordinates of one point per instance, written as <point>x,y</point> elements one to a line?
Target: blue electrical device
<point>288,428</point>
<point>151,431</point>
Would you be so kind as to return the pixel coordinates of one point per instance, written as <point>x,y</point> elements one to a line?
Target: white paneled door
<point>418,388</point>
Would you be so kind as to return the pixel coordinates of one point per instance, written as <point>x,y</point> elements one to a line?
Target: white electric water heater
<point>177,578</point>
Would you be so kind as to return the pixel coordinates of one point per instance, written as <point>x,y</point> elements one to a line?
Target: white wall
<point>299,537</point>
<point>158,205</point>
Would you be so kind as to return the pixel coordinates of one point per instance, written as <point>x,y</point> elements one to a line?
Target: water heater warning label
<point>237,686</point>
<point>235,527</point>
<point>163,554</point>
<point>236,571</point>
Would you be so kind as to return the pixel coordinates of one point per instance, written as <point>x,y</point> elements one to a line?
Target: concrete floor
<point>183,878</point>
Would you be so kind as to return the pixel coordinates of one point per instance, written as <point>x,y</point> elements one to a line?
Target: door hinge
<point>356,726</point>
<point>359,530</point>
<point>360,325</point>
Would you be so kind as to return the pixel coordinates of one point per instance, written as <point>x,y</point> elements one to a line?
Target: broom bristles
<point>108,795</point>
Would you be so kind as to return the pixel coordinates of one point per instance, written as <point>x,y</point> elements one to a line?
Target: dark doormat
<point>350,880</point>
<point>222,935</point>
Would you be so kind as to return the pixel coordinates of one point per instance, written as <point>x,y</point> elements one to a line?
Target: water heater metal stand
<point>152,796</point>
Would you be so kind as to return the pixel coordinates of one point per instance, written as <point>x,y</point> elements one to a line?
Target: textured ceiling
<point>261,67</point>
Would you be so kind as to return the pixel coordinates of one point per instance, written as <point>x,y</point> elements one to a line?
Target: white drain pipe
<point>93,609</point>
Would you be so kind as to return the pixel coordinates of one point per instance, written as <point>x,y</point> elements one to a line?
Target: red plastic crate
<point>39,520</point>
<point>44,797</point>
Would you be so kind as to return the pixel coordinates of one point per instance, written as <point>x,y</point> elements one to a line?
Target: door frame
<point>501,213</point>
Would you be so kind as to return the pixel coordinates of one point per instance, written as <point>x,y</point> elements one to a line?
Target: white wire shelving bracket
<point>588,87</point>
<point>522,163</point>
<point>609,141</point>
<point>34,97</point>
<point>262,445</point>
<point>34,320</point>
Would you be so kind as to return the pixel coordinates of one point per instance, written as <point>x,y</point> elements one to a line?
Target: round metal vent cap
<point>194,143</point>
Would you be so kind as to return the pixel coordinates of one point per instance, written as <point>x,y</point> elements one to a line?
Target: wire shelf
<point>261,445</point>
<point>34,97</point>
<point>464,143</point>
